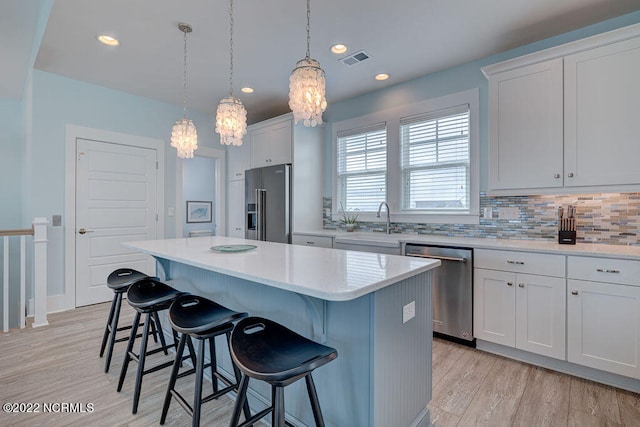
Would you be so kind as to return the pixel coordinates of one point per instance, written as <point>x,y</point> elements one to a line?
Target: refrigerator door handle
<point>261,233</point>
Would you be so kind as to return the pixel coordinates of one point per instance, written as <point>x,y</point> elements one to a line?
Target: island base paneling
<point>382,375</point>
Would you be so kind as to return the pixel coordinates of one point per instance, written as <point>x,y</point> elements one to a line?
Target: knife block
<point>566,237</point>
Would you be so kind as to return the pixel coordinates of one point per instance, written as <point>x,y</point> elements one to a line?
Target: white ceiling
<point>405,38</point>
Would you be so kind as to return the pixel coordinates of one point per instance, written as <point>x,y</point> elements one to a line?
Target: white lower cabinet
<point>603,317</point>
<point>518,309</point>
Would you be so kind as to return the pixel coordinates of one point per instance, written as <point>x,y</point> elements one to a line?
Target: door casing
<point>73,132</point>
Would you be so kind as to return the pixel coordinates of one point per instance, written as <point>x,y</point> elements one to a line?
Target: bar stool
<point>267,351</point>
<point>201,319</point>
<point>147,296</point>
<point>118,281</point>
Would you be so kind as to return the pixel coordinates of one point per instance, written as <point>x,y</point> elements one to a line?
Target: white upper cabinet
<point>562,120</point>
<point>526,127</point>
<point>238,160</point>
<point>271,142</point>
<point>602,108</point>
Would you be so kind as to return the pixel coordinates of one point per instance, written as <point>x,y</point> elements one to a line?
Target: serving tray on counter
<point>232,248</point>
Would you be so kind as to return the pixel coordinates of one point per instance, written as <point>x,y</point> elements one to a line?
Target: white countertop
<point>542,246</point>
<point>328,274</point>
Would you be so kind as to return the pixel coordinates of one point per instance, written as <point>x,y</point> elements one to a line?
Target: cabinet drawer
<point>624,272</point>
<point>520,262</point>
<point>310,240</point>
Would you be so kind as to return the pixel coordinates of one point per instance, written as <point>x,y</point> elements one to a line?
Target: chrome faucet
<point>388,219</point>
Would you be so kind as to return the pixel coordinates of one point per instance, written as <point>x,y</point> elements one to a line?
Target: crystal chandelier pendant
<point>231,121</point>
<point>184,138</point>
<point>307,92</point>
<point>231,116</point>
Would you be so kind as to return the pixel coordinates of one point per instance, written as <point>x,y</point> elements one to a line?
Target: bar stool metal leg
<point>156,320</point>
<point>141,360</point>
<point>277,416</point>
<point>241,400</point>
<point>127,357</point>
<point>313,398</point>
<point>109,322</point>
<point>197,397</point>
<point>174,376</point>
<point>114,329</point>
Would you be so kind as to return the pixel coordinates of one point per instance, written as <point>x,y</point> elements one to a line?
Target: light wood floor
<point>472,388</point>
<point>60,363</point>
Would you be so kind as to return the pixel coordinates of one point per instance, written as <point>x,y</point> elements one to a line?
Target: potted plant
<point>349,221</point>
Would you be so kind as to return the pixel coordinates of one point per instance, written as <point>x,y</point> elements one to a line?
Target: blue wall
<point>11,139</point>
<point>446,82</point>
<point>58,101</point>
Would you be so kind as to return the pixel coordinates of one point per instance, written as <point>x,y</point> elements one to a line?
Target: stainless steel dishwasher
<point>452,290</point>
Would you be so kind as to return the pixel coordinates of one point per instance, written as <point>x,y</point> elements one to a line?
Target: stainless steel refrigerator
<point>268,203</point>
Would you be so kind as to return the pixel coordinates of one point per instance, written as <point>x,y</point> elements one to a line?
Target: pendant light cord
<point>184,88</point>
<point>231,48</point>
<point>308,28</point>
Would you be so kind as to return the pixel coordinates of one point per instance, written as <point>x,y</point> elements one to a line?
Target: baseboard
<point>55,304</point>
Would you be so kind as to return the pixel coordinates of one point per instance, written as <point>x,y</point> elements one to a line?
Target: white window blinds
<point>435,161</point>
<point>362,166</point>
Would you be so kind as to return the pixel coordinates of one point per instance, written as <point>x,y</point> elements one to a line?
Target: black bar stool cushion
<point>148,293</point>
<point>195,315</point>
<point>270,352</point>
<point>122,278</point>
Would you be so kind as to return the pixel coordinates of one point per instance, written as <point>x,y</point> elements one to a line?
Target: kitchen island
<point>374,309</point>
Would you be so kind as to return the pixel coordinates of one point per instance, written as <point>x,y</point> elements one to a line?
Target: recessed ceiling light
<point>339,48</point>
<point>382,76</point>
<point>108,40</point>
<point>247,89</point>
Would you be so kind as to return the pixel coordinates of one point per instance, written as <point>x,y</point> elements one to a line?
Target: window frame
<point>392,117</point>
<point>406,170</point>
<point>375,127</point>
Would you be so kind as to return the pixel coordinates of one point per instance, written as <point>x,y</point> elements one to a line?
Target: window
<point>362,167</point>
<point>436,161</point>
<point>421,158</point>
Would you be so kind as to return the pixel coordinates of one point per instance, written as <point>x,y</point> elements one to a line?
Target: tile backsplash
<point>610,218</point>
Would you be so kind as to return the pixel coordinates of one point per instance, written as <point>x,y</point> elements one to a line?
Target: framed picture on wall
<point>198,211</point>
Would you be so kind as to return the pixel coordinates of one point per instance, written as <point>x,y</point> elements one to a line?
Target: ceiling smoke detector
<point>356,58</point>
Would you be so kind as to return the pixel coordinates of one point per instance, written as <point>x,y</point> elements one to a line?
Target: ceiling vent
<point>356,58</point>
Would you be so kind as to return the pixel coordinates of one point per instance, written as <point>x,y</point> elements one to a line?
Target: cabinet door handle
<point>509,284</point>
<point>521,285</point>
<point>606,270</point>
<point>556,175</point>
<point>574,292</point>
<point>570,174</point>
<point>311,243</point>
<point>515,262</point>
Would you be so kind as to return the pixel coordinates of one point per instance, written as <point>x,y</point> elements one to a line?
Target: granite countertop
<point>541,246</point>
<point>328,274</point>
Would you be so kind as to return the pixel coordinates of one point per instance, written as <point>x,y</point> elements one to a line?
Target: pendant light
<point>231,117</point>
<point>184,136</point>
<point>307,86</point>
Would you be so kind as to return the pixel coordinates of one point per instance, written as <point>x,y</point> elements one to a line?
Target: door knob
<point>83,231</point>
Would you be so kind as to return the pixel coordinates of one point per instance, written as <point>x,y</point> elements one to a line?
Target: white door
<point>115,203</point>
